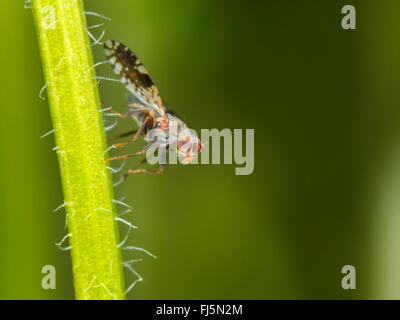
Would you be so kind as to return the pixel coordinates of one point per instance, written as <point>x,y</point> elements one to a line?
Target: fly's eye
<point>182,146</point>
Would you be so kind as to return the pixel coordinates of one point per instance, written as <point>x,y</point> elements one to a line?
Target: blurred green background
<point>325,192</point>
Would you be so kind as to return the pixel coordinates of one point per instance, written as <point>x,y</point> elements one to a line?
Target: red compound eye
<point>184,146</point>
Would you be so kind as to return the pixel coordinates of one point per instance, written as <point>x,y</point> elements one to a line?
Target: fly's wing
<point>133,75</point>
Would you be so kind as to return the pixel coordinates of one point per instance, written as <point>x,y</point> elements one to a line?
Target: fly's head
<point>188,146</point>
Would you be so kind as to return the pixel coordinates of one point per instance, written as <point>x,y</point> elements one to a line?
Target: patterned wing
<point>133,74</point>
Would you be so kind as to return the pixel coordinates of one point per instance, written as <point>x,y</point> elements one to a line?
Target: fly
<point>150,113</point>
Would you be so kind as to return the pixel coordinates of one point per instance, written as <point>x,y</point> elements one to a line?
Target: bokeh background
<point>325,192</point>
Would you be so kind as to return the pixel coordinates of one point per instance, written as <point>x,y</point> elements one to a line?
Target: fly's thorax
<point>157,135</point>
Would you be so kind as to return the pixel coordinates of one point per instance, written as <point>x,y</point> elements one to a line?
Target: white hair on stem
<point>42,90</point>
<point>125,238</point>
<point>139,249</point>
<point>92,13</point>
<point>28,4</point>
<point>126,222</point>
<point>96,26</point>
<point>116,170</point>
<point>124,212</point>
<point>139,277</point>
<point>105,109</point>
<point>90,284</point>
<point>116,184</point>
<point>59,244</point>
<point>47,133</point>
<point>98,64</point>
<point>122,203</point>
<point>106,78</point>
<point>111,126</point>
<point>60,206</point>
<point>96,41</point>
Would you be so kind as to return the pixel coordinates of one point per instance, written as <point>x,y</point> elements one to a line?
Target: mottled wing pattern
<point>133,74</point>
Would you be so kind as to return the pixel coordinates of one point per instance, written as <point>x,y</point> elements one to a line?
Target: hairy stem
<point>87,185</point>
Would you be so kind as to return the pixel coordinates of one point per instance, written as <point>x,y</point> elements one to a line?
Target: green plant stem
<point>87,185</point>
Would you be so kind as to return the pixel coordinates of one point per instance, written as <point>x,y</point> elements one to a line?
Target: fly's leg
<point>135,108</point>
<point>122,135</point>
<point>126,156</point>
<point>138,133</point>
<point>121,115</point>
<point>135,167</point>
<point>131,155</point>
<point>134,170</point>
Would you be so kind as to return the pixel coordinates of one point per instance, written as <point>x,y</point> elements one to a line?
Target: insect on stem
<point>151,113</point>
